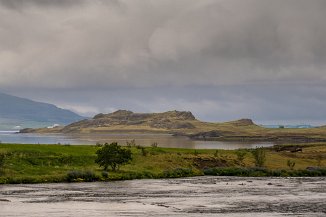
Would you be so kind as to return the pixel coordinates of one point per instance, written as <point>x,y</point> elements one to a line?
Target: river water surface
<point>197,196</point>
<point>163,140</point>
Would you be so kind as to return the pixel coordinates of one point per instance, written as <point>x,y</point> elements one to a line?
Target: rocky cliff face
<point>167,120</point>
<point>125,115</point>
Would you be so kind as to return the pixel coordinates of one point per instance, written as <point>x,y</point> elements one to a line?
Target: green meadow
<point>20,163</point>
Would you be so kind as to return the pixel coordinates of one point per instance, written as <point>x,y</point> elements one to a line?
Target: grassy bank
<point>60,163</point>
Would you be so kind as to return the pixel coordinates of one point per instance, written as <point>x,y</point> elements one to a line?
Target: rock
<point>4,200</point>
<point>243,122</point>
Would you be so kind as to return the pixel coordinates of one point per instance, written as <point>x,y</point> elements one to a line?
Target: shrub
<point>178,172</point>
<point>2,161</point>
<point>131,143</point>
<point>98,144</point>
<point>259,156</point>
<point>236,171</point>
<point>144,152</point>
<point>240,156</point>
<point>216,153</point>
<point>105,174</point>
<point>319,159</point>
<point>154,145</point>
<point>112,155</point>
<point>75,175</point>
<point>291,164</point>
<point>259,171</point>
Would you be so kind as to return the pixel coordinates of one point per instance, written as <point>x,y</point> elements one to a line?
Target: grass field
<point>60,163</point>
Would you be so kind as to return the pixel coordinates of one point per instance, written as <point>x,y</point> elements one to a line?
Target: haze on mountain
<point>221,59</point>
<point>16,111</point>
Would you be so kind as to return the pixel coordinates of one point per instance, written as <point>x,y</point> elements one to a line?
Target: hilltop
<point>27,113</point>
<point>184,123</point>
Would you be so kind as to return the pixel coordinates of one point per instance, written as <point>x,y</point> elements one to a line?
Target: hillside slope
<point>20,111</point>
<point>185,124</point>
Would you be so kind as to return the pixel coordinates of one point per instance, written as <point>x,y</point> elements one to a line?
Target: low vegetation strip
<point>64,163</point>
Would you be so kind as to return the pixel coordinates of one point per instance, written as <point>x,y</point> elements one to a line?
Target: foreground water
<point>163,140</point>
<point>198,196</point>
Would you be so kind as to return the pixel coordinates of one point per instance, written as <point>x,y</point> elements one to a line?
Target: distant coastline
<point>184,123</point>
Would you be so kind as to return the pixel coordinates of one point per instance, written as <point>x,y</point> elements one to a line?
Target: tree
<point>260,156</point>
<point>112,155</point>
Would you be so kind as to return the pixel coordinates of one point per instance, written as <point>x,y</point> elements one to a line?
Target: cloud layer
<point>99,45</point>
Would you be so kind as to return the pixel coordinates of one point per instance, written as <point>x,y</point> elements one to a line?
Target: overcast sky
<point>220,59</point>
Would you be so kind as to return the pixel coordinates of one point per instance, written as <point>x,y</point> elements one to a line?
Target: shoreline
<point>29,163</point>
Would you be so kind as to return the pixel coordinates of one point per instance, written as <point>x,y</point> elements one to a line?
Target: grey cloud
<point>224,59</point>
<point>150,43</point>
<point>19,4</point>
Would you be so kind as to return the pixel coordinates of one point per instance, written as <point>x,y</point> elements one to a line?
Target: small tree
<point>2,161</point>
<point>112,155</point>
<point>240,157</point>
<point>144,152</point>
<point>291,164</point>
<point>260,156</point>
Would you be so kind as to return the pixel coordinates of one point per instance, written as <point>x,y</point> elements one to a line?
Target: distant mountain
<point>21,113</point>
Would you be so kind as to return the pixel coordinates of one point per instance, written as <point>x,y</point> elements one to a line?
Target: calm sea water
<point>163,140</point>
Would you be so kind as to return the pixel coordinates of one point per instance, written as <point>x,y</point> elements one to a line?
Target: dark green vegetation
<point>185,124</point>
<point>64,163</point>
<point>259,156</point>
<point>20,111</point>
<point>112,155</point>
<point>259,172</point>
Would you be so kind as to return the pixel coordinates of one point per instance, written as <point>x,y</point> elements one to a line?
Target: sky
<point>221,59</point>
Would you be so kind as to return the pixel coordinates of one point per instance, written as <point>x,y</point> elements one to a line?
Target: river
<point>163,140</point>
<point>197,196</point>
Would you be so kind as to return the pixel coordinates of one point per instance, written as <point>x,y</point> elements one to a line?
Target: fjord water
<point>197,196</point>
<point>163,140</point>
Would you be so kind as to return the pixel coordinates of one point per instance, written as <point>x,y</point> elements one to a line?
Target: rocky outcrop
<point>166,120</point>
<point>242,122</point>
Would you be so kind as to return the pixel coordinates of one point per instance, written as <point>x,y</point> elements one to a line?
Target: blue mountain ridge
<point>28,113</point>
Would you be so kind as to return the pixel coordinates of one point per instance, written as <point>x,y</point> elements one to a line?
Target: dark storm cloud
<point>150,43</point>
<point>235,47</point>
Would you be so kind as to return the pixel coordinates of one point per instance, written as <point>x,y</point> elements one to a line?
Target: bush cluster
<point>260,172</point>
<point>86,176</point>
<point>2,159</point>
<point>178,172</point>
